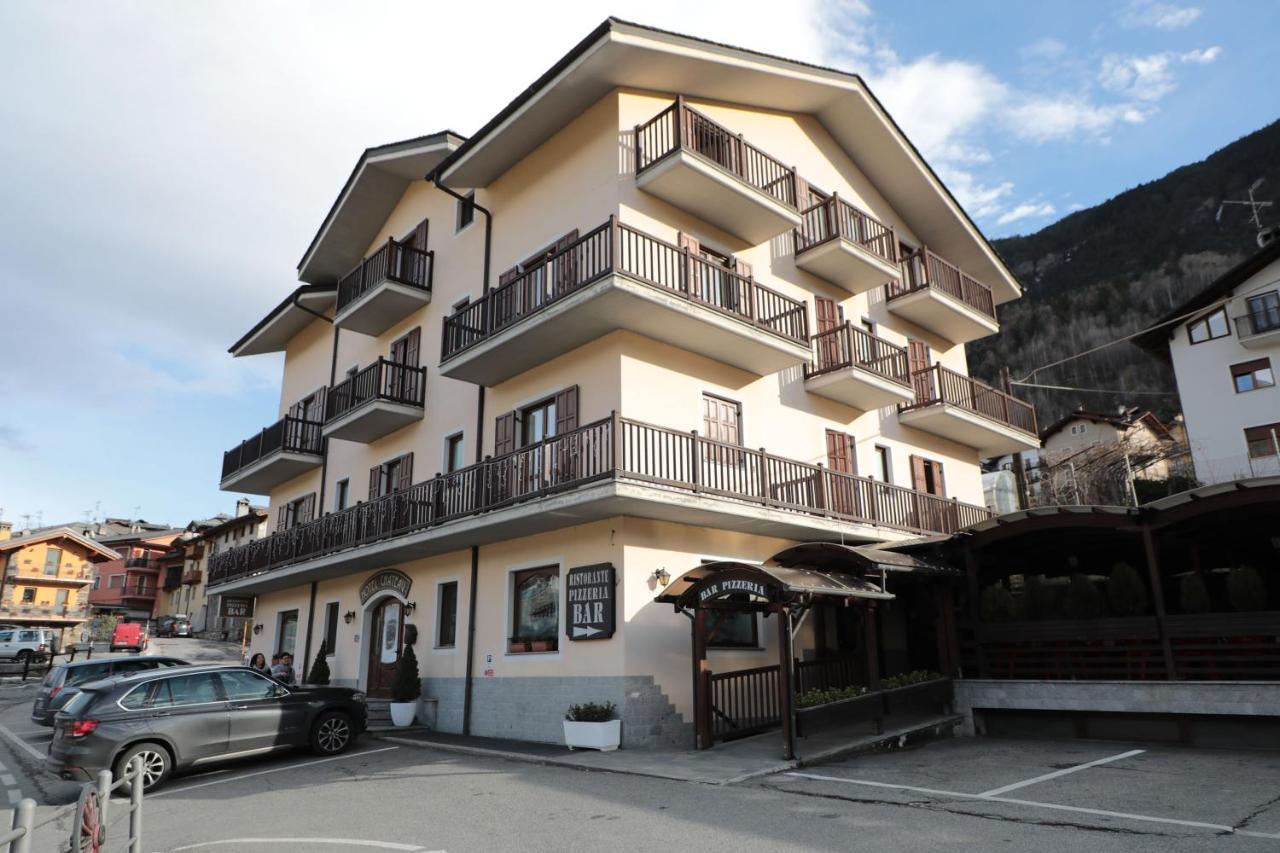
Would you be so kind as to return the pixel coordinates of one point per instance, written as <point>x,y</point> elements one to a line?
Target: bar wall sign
<point>235,607</point>
<point>591,596</point>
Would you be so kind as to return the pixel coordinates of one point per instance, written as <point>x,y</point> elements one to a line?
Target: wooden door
<point>827,314</point>
<point>917,363</point>
<point>386,636</point>
<point>841,460</point>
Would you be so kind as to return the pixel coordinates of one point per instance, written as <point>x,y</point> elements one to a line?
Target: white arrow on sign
<point>579,631</point>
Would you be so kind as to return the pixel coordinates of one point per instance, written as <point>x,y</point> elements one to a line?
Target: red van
<point>129,635</point>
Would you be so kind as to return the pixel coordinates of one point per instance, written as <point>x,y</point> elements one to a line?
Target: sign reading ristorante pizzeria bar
<point>734,586</point>
<point>235,606</point>
<point>392,579</point>
<point>590,596</point>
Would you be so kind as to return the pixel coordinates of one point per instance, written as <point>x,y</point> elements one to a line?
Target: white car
<point>22,643</point>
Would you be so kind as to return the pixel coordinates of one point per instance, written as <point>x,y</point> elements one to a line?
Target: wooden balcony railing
<point>287,435</point>
<point>382,380</point>
<point>192,577</point>
<point>680,127</point>
<point>396,262</point>
<point>849,346</point>
<point>43,611</point>
<point>614,448</point>
<point>1258,321</point>
<point>140,563</point>
<point>614,248</point>
<point>923,269</point>
<point>937,385</point>
<point>834,217</point>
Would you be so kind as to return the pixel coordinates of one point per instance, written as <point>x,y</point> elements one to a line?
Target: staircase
<point>379,713</point>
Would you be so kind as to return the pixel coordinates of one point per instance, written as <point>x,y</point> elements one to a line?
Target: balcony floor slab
<point>618,302</point>
<point>371,421</point>
<point>260,477</point>
<point>847,265</point>
<point>987,436</point>
<point>1262,340</point>
<point>858,387</point>
<point>381,307</point>
<point>943,314</point>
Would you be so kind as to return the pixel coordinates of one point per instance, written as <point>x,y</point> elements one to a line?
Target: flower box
<point>927,694</point>
<point>542,645</point>
<point>602,736</point>
<point>518,647</point>
<point>859,709</point>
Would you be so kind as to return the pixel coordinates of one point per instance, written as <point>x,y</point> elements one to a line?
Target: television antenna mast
<point>1255,206</point>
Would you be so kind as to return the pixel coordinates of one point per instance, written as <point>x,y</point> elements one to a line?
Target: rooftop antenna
<point>1255,206</point>
<point>26,521</point>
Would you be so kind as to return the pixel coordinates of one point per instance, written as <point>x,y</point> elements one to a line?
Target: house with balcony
<point>130,585</point>
<point>1224,346</point>
<point>677,303</point>
<point>47,575</point>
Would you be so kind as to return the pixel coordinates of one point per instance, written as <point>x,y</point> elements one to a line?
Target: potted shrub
<point>518,645</point>
<point>920,688</point>
<point>818,709</point>
<point>591,726</point>
<point>406,689</point>
<point>319,669</point>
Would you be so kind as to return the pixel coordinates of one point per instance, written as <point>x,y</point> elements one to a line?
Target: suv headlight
<point>359,697</point>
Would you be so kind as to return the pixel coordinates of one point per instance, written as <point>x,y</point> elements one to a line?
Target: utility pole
<point>1019,471</point>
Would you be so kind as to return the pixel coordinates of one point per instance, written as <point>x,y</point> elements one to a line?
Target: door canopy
<point>751,586</point>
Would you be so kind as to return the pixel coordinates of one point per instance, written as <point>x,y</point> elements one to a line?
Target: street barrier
<point>90,827</point>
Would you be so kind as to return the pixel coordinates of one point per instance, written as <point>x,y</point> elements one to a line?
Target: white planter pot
<point>402,713</point>
<point>602,736</point>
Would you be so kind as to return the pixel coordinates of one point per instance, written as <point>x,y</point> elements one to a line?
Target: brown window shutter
<point>939,483</point>
<point>918,478</point>
<point>742,268</point>
<point>508,275</point>
<point>802,194</point>
<point>405,478</point>
<point>307,510</point>
<point>504,434</point>
<point>375,480</point>
<point>567,410</point>
<point>685,241</point>
<point>828,313</point>
<point>282,516</point>
<point>917,355</point>
<point>840,453</point>
<point>411,347</point>
<point>418,239</point>
<point>918,360</point>
<point>566,265</point>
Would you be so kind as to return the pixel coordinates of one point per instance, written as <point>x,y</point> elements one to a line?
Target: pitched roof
<point>57,533</point>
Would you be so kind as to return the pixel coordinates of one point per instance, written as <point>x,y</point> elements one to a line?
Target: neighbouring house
<point>182,572</point>
<point>676,309</point>
<point>247,525</point>
<point>46,577</point>
<point>1224,345</point>
<point>130,585</point>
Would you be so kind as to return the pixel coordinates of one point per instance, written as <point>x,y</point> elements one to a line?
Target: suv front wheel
<point>332,733</point>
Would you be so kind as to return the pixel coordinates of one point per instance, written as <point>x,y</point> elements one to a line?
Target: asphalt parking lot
<point>1102,786</point>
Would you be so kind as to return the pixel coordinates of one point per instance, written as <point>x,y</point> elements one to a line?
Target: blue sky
<point>165,164</point>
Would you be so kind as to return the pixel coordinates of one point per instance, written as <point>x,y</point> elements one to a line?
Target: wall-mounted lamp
<point>662,576</point>
<point>349,617</point>
<point>410,606</point>
<point>257,629</point>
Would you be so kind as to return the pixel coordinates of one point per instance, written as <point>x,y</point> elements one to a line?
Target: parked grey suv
<point>63,681</point>
<point>187,716</point>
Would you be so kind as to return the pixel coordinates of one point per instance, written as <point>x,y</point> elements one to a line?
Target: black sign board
<point>591,597</point>
<point>392,579</point>
<point>735,586</point>
<point>235,606</point>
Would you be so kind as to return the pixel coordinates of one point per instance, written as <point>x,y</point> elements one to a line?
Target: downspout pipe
<point>434,178</point>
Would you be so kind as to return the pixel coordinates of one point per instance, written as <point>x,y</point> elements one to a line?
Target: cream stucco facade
<point>580,174</point>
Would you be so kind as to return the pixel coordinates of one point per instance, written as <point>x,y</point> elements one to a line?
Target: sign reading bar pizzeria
<point>735,586</point>
<point>591,596</point>
<point>387,579</point>
<point>235,606</point>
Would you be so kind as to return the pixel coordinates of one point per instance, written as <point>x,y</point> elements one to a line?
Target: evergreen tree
<point>407,686</point>
<point>319,669</point>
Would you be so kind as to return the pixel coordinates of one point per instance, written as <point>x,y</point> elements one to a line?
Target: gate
<point>91,826</point>
<point>744,702</point>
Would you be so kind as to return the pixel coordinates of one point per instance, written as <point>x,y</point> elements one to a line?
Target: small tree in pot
<point>319,669</point>
<point>591,726</point>
<point>406,689</point>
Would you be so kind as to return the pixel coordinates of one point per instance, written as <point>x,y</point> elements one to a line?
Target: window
<point>1207,328</point>
<point>134,700</point>
<point>884,464</point>
<point>330,627</point>
<point>391,476</point>
<point>447,616</point>
<point>535,607</point>
<point>454,453</point>
<point>97,581</point>
<point>538,422</point>
<point>341,494</point>
<point>1252,375</point>
<point>926,476</point>
<point>722,422</point>
<point>465,211</point>
<point>731,629</point>
<point>6,636</point>
<point>868,326</point>
<point>52,558</point>
<point>1264,312</point>
<point>184,690</point>
<point>1263,441</point>
<point>297,511</point>
<point>28,595</point>
<point>238,684</point>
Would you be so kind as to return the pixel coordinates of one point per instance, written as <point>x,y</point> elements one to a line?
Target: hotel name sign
<point>387,579</point>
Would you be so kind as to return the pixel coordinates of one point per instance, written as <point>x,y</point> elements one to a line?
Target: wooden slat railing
<point>614,248</point>
<point>827,673</point>
<point>937,385</point>
<point>613,448</point>
<point>394,261</point>
<point>382,380</point>
<point>287,435</point>
<point>834,217</point>
<point>744,702</point>
<point>849,346</point>
<point>679,127</point>
<point>923,269</point>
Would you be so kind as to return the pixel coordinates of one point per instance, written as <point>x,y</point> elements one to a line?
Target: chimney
<point>6,530</point>
<point>242,507</point>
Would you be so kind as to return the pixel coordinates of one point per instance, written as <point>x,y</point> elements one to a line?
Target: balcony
<point>854,367</point>
<point>846,246</point>
<point>141,563</point>
<point>937,296</point>
<point>698,165</point>
<point>377,401</point>
<point>30,577</point>
<point>121,596</point>
<point>1260,328</point>
<point>32,613</point>
<point>172,580</point>
<point>192,577</point>
<point>386,287</point>
<point>612,467</point>
<point>617,277</point>
<point>966,411</point>
<point>289,447</point>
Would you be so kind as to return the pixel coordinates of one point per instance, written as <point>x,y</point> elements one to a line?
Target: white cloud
<point>1026,210</point>
<point>1162,16</point>
<point>1046,48</point>
<point>1203,56</point>
<point>1151,77</point>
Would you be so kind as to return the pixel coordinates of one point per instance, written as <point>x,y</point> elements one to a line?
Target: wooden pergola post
<point>871,639</point>
<point>786,683</point>
<point>1152,552</point>
<point>975,608</point>
<point>701,683</point>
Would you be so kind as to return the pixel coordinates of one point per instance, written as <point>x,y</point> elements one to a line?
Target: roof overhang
<point>619,54</point>
<point>299,309</point>
<point>58,533</point>
<point>372,191</point>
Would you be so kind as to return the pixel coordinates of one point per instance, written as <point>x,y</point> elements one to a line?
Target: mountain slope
<point>1110,270</point>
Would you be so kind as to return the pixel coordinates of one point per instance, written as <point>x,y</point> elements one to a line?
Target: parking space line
<point>979,798</point>
<point>166,791</point>
<point>995,792</point>
<point>346,842</point>
<point>30,750</point>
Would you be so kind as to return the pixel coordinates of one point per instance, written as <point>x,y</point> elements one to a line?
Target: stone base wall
<point>1192,698</point>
